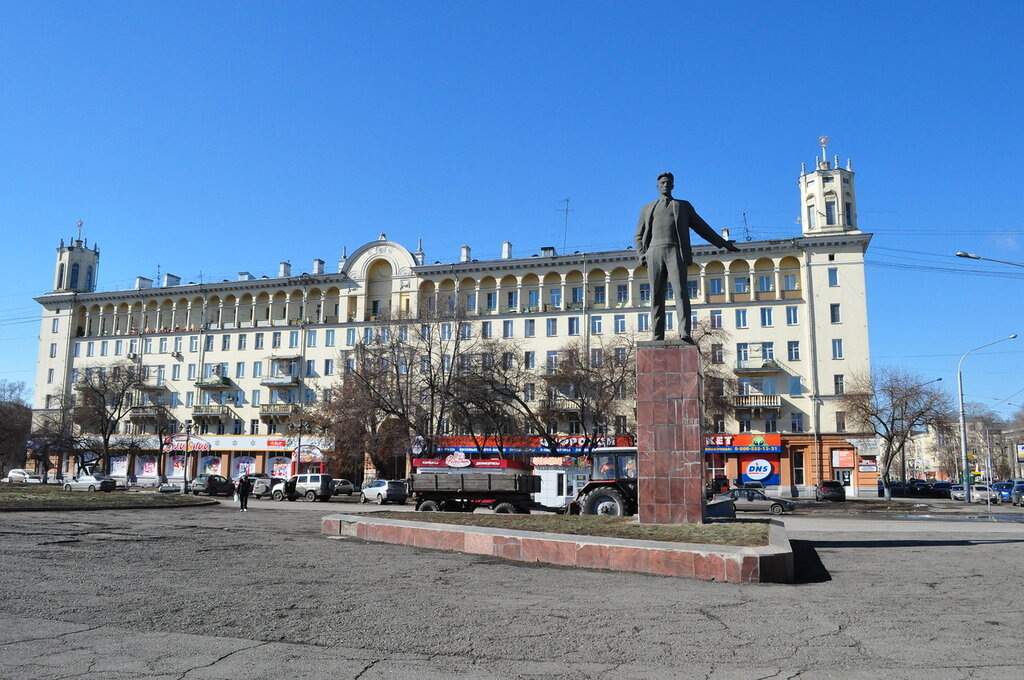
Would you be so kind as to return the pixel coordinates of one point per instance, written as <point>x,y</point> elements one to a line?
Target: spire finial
<point>823,141</point>
<point>79,225</point>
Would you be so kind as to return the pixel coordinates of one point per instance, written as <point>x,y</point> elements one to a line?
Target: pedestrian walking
<point>242,490</point>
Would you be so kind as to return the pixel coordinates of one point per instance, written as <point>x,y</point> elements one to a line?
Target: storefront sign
<point>145,466</point>
<point>179,442</point>
<point>279,466</point>
<point>760,468</point>
<point>560,461</point>
<point>209,465</point>
<point>743,443</point>
<point>457,460</point>
<point>309,453</point>
<point>436,463</point>
<point>1020,453</point>
<point>867,468</point>
<point>842,458</point>
<point>495,445</point>
<point>243,465</point>
<point>119,466</point>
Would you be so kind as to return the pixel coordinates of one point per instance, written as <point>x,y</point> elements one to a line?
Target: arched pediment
<point>400,259</point>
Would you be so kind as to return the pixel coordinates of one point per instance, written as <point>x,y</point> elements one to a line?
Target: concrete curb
<point>735,564</point>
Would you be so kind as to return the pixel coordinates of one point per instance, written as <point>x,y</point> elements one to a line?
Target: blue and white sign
<point>760,469</point>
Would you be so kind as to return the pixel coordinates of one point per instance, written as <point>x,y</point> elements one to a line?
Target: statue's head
<point>666,181</point>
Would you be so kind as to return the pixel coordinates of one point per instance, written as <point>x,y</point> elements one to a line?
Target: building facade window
<point>796,422</point>
<point>620,323</point>
<point>768,351</point>
<point>793,350</point>
<point>764,283</point>
<point>839,383</point>
<point>741,318</point>
<point>622,293</point>
<point>507,329</point>
<point>798,465</point>
<point>552,327</point>
<point>645,292</point>
<point>834,313</point>
<point>766,317</point>
<point>717,354</point>
<point>742,351</point>
<point>741,285</point>
<point>530,328</point>
<point>596,325</point>
<point>833,277</point>
<point>788,282</point>
<point>574,325</point>
<point>837,348</point>
<point>716,318</point>
<point>716,286</point>
<point>792,316</point>
<point>643,322</point>
<point>840,421</point>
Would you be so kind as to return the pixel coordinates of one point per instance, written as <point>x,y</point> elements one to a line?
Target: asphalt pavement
<point>211,593</point>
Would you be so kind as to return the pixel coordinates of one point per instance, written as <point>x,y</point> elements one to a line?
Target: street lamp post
<point>966,473</point>
<point>972,256</point>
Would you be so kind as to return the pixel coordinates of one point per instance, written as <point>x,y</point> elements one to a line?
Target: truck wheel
<point>429,506</point>
<point>278,495</point>
<point>605,502</point>
<point>505,508</point>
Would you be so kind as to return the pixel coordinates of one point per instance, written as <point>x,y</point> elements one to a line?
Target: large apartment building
<point>232,360</point>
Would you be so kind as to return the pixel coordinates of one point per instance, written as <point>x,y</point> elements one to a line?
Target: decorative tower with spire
<point>77,266</point>
<point>828,196</point>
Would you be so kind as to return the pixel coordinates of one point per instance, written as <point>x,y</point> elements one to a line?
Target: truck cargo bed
<point>474,483</point>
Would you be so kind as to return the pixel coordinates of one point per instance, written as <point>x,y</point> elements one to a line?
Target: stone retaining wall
<point>735,564</point>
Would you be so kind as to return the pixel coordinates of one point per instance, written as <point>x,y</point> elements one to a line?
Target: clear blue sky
<point>211,138</point>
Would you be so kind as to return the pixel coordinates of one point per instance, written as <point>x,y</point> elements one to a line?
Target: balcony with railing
<point>213,382</point>
<point>762,366</point>
<point>561,405</point>
<point>146,412</point>
<point>770,401</point>
<point>278,410</point>
<point>280,381</point>
<point>216,411</point>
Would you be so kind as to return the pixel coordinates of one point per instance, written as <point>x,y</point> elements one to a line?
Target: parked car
<point>919,487</point>
<point>830,490</point>
<point>982,493</point>
<point>263,486</point>
<point>312,487</point>
<point>213,485</point>
<point>384,491</point>
<point>756,500</point>
<point>93,482</point>
<point>1004,489</point>
<point>1016,494</point>
<point>941,489</point>
<point>342,486</point>
<point>895,488</point>
<point>19,476</point>
<point>956,492</point>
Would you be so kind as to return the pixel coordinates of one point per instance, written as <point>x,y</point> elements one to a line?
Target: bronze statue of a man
<point>663,244</point>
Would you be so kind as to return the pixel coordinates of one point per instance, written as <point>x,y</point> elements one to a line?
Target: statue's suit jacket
<point>686,219</point>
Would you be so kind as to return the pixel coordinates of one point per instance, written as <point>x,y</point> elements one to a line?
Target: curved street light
<point>966,473</point>
<point>972,256</point>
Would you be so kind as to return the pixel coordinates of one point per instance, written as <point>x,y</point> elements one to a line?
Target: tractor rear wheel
<point>505,508</point>
<point>605,501</point>
<point>429,506</point>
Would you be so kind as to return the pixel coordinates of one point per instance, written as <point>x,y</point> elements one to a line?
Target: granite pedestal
<point>670,459</point>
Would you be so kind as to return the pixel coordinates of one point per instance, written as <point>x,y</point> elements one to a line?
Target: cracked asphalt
<point>213,594</point>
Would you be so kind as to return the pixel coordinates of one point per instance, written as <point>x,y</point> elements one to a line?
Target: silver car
<point>755,500</point>
<point>384,491</point>
<point>94,482</point>
<point>18,476</point>
<point>342,486</point>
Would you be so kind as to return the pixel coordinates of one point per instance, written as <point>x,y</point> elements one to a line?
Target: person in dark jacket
<point>243,488</point>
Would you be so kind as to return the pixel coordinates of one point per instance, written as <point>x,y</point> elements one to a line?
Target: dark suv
<point>830,490</point>
<point>213,485</point>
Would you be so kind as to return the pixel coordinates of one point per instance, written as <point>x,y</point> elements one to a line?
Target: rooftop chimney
<point>142,282</point>
<point>285,269</point>
<point>548,251</point>
<point>318,266</point>
<point>725,233</point>
<point>506,250</point>
<point>245,276</point>
<point>465,254</point>
<point>170,280</point>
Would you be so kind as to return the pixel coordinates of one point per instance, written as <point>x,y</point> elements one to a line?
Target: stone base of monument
<point>670,443</point>
<point>772,563</point>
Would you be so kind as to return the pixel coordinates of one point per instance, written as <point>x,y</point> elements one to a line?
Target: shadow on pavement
<point>807,566</point>
<point>902,543</point>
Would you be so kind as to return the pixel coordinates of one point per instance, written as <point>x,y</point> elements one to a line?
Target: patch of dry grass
<point>720,532</point>
<point>53,497</point>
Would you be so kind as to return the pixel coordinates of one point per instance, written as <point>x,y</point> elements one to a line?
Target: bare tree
<point>54,433</point>
<point>893,404</point>
<point>104,399</point>
<point>15,424</point>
